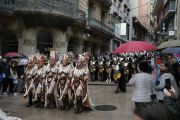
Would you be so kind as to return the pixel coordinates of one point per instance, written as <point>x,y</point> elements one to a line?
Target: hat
<point>41,57</point>
<point>54,54</point>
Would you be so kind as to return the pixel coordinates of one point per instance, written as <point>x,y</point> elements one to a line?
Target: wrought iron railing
<point>93,22</point>
<point>6,5</point>
<point>81,15</point>
<point>64,7</point>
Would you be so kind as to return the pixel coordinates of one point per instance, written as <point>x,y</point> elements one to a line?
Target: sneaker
<point>4,94</point>
<point>15,94</point>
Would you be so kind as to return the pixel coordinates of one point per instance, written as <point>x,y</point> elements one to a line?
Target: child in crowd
<point>15,81</point>
<point>152,63</point>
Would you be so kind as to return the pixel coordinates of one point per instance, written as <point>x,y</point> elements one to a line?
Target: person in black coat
<point>6,70</point>
<point>20,72</point>
<point>174,68</point>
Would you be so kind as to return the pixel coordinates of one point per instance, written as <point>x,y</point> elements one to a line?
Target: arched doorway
<point>8,42</point>
<point>44,42</point>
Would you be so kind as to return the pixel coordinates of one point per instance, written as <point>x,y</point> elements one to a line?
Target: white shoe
<point>4,94</point>
<point>107,81</point>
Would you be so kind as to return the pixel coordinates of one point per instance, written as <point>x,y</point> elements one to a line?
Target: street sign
<point>171,33</point>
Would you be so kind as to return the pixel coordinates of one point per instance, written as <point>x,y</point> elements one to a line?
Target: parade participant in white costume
<point>80,94</point>
<point>51,80</point>
<point>65,74</point>
<point>39,80</point>
<point>29,76</point>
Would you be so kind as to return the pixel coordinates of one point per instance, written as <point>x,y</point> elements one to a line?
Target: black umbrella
<point>172,50</point>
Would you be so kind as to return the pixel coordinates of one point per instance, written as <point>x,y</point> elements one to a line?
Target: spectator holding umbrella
<point>13,69</point>
<point>20,71</point>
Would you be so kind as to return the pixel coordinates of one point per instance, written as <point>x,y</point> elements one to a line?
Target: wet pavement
<point>101,94</point>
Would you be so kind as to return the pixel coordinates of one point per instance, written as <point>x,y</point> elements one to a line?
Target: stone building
<point>30,26</point>
<point>164,11</point>
<point>141,20</point>
<point>121,13</point>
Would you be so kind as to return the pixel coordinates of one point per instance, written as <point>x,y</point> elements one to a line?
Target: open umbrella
<point>134,46</point>
<point>177,55</point>
<point>175,43</point>
<point>23,62</point>
<point>172,50</point>
<point>12,54</point>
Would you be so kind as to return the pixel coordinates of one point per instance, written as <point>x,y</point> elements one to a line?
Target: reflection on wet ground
<point>100,95</point>
<point>120,105</point>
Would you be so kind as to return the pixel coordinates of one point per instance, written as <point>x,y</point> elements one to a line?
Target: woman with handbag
<point>144,84</point>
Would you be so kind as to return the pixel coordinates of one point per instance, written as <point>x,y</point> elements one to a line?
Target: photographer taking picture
<point>172,101</point>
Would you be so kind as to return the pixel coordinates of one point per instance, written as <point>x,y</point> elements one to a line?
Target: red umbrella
<point>12,54</point>
<point>134,46</point>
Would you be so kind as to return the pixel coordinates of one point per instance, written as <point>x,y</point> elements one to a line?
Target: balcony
<point>109,1</point>
<point>6,6</point>
<point>170,9</point>
<point>157,6</point>
<point>48,13</point>
<point>96,24</point>
<point>120,15</point>
<point>60,7</point>
<point>81,16</point>
<point>105,2</point>
<point>115,10</point>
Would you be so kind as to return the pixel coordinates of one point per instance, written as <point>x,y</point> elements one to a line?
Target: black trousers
<point>137,104</point>
<point>161,101</point>
<point>5,84</point>
<point>122,85</point>
<point>11,86</point>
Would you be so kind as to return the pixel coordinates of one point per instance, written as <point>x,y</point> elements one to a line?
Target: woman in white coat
<point>144,84</point>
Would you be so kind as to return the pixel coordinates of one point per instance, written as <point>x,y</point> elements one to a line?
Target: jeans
<point>158,74</point>
<point>16,88</point>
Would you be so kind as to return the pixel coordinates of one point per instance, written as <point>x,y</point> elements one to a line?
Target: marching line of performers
<point>56,84</point>
<point>117,69</point>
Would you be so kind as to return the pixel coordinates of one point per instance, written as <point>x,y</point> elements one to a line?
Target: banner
<point>123,29</point>
<point>163,29</point>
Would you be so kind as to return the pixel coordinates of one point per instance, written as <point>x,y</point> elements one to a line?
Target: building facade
<point>164,13</point>
<point>30,26</point>
<point>141,20</point>
<point>120,13</point>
